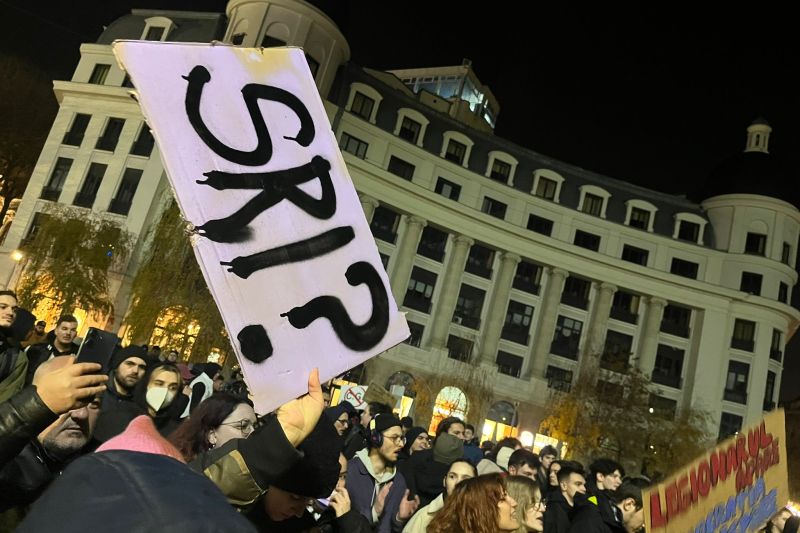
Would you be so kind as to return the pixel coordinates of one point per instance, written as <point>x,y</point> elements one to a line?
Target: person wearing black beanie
<point>128,366</point>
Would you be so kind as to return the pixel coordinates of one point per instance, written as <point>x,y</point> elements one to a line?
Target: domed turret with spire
<point>753,171</point>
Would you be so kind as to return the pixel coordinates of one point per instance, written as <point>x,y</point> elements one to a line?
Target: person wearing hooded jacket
<point>425,469</point>
<point>202,386</point>
<point>377,490</point>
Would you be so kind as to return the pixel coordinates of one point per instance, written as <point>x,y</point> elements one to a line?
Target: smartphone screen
<point>98,347</point>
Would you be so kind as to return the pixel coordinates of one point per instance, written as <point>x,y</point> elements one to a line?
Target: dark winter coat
<point>424,476</point>
<point>40,353</point>
<point>361,485</point>
<point>22,418</point>
<point>587,519</point>
<point>557,514</point>
<point>134,492</point>
<point>245,468</point>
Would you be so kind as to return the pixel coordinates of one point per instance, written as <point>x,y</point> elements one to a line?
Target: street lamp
<point>17,256</point>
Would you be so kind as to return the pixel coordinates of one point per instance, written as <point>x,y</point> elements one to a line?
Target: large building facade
<point>514,268</point>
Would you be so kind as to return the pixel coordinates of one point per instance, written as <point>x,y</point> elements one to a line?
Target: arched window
<point>451,401</point>
<point>500,422</point>
<point>174,330</point>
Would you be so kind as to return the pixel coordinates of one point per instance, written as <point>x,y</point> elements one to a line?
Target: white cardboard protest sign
<point>354,394</point>
<point>280,234</point>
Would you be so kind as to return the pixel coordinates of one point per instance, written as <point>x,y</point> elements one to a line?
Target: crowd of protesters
<point>160,445</point>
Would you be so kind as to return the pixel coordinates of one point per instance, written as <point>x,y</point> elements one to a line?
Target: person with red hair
<point>478,505</point>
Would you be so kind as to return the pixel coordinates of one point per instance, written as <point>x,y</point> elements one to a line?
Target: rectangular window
<point>586,240</point>
<point>751,283</point>
<point>540,225</point>
<point>786,254</point>
<point>401,168</point>
<point>121,204</point>
<point>517,324</point>
<point>448,189</point>
<point>143,145</point>
<point>459,349</point>
<point>432,243</point>
<point>616,352</point>
<point>52,190</point>
<point>509,364</point>
<point>729,425</point>
<point>154,33</point>
<point>783,292</point>
<point>744,334</point>
<point>493,207</point>
<point>688,231</point>
<point>455,152</point>
<point>415,339</point>
<point>640,218</point>
<point>683,268</point>
<point>632,254</point>
<point>238,38</point>
<point>480,261</point>
<point>592,204</point>
<point>500,171</point>
<point>354,146</point>
<point>384,224</point>
<point>676,320</point>
<point>576,292</point>
<point>769,391</point>
<point>775,352</point>
<point>625,307</point>
<point>558,378</point>
<point>108,141</point>
<point>546,188</point>
<point>736,382</point>
<point>409,130</point>
<point>99,74</point>
<point>362,105</point>
<point>74,137</point>
<point>419,293</point>
<point>668,367</point>
<point>755,244</point>
<point>384,260</point>
<point>88,192</point>
<point>37,220</point>
<point>469,306</point>
<point>567,337</point>
<point>663,407</point>
<point>527,277</point>
<point>126,82</point>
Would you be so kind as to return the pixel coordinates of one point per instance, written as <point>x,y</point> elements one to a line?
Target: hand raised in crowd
<point>340,501</point>
<point>380,501</point>
<point>407,507</point>
<point>298,417</point>
<point>64,385</point>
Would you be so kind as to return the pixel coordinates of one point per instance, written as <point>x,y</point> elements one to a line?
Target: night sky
<point>650,96</point>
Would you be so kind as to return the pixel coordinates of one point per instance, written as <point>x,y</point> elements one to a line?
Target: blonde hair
<point>526,492</point>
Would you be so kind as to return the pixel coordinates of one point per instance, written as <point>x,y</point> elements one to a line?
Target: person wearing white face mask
<point>154,396</point>
<point>163,383</point>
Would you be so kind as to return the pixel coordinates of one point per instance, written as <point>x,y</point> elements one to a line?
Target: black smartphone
<point>97,347</point>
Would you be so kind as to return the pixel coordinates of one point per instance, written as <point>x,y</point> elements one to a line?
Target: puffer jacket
<point>22,417</point>
<point>244,469</point>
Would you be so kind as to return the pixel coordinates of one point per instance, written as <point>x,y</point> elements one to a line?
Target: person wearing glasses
<point>217,420</point>
<point>340,415</point>
<point>377,490</point>
<point>530,504</point>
